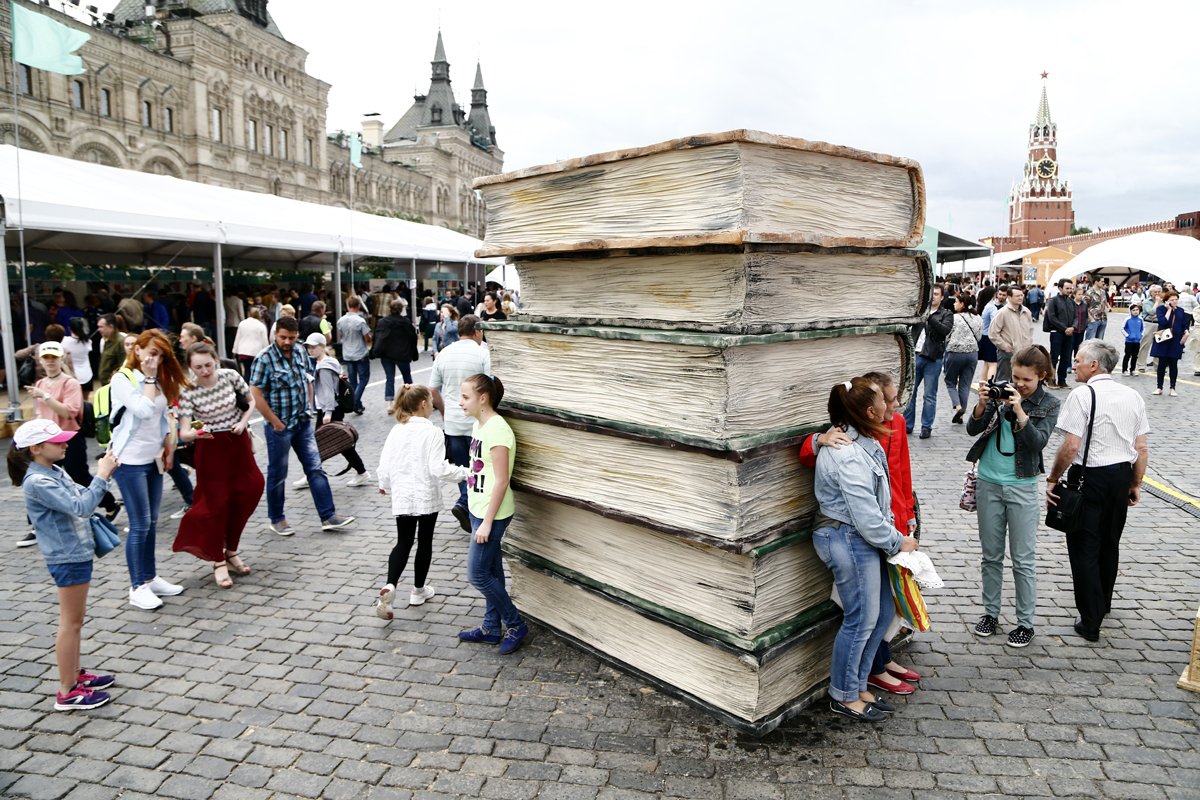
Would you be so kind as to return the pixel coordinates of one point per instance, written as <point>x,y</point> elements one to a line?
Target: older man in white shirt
<point>1112,476</point>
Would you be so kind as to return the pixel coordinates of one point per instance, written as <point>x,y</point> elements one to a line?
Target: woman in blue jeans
<point>395,344</point>
<point>962,354</point>
<point>140,438</point>
<point>854,533</point>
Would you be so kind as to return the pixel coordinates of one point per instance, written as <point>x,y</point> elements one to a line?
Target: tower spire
<point>1043,114</point>
<point>483,134</point>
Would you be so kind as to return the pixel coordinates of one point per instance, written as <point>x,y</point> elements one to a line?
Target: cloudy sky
<point>953,85</point>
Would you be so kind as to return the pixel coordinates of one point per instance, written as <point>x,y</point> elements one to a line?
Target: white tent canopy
<point>109,215</point>
<point>506,275</point>
<point>1170,256</point>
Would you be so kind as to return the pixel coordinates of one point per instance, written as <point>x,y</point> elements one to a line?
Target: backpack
<point>344,396</point>
<point>102,408</point>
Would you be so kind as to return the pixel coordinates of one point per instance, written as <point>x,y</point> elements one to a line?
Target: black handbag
<point>1065,514</point>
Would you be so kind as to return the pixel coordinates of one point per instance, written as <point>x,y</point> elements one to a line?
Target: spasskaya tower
<point>1039,206</point>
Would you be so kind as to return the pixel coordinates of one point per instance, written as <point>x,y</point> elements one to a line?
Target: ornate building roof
<point>253,10</point>
<point>438,109</point>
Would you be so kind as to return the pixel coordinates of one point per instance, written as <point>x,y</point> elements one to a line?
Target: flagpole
<point>351,164</point>
<point>16,79</point>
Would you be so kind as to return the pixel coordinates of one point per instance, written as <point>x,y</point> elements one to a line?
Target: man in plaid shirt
<point>282,393</point>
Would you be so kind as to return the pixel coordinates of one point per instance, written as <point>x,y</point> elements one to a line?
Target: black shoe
<point>1020,636</point>
<point>359,411</point>
<point>28,540</point>
<point>926,433</point>
<point>1084,632</point>
<point>463,518</point>
<point>868,714</point>
<point>883,705</point>
<point>986,625</point>
<point>112,513</point>
<point>958,417</point>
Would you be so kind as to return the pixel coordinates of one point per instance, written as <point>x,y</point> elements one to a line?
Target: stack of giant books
<point>686,308</point>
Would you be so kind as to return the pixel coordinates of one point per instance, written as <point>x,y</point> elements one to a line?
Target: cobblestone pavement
<point>288,686</point>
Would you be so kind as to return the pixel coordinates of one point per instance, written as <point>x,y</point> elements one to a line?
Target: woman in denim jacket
<point>854,533</point>
<point>59,508</point>
<point>1009,458</point>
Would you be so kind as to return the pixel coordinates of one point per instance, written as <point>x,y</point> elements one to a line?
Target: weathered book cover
<point>718,391</point>
<point>749,599</point>
<point>752,691</point>
<point>724,499</point>
<point>734,187</point>
<point>753,289</point>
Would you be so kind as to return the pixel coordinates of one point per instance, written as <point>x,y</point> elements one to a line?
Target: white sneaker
<point>301,484</point>
<point>179,514</point>
<point>419,596</point>
<point>28,539</point>
<point>359,480</point>
<point>383,605</point>
<point>164,588</point>
<point>144,598</point>
<point>1174,393</point>
<point>1157,391</point>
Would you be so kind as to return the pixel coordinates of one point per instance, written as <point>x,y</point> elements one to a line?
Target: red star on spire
<point>1045,75</point>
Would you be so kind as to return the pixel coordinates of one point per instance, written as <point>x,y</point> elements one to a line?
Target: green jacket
<point>111,357</point>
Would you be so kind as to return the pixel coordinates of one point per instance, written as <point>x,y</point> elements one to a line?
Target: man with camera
<point>1012,330</point>
<point>1112,477</point>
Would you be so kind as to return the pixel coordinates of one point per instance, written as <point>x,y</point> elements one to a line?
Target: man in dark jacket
<point>395,345</point>
<point>311,323</point>
<point>1060,324</point>
<point>931,347</point>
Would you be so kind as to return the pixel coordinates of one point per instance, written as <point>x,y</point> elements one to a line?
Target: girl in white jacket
<point>411,465</point>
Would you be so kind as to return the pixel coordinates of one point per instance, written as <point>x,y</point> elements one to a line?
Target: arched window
<point>147,114</point>
<point>105,103</point>
<point>77,95</point>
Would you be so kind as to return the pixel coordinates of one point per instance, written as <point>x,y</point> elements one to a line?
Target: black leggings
<point>75,464</point>
<point>1163,365</point>
<point>1130,362</point>
<point>422,526</point>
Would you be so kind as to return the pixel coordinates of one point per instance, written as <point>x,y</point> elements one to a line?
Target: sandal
<point>235,564</point>
<point>221,576</point>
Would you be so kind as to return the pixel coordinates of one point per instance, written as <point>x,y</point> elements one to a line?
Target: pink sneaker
<point>80,698</point>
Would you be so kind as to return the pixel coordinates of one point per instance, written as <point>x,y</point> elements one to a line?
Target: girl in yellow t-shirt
<point>490,503</point>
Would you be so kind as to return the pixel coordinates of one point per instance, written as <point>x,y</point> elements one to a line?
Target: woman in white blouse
<point>250,339</point>
<point>79,349</point>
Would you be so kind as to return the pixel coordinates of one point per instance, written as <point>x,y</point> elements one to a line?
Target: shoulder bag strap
<point>1087,446</point>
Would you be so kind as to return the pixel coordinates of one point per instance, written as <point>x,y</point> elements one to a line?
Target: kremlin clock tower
<point>1039,206</point>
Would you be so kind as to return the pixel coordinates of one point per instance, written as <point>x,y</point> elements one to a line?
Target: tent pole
<point>219,288</point>
<point>337,286</point>
<point>412,292</point>
<point>10,359</point>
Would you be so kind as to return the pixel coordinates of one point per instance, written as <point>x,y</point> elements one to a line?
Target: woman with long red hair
<point>141,438</point>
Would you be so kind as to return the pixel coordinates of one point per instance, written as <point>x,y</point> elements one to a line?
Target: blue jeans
<point>141,489</point>
<point>182,482</point>
<point>1095,330</point>
<point>860,574</point>
<point>927,371</point>
<point>359,375</point>
<point>959,373</point>
<point>485,571</point>
<point>300,439</point>
<point>389,373</point>
<point>458,451</point>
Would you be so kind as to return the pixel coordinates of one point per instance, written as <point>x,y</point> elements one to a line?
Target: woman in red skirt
<point>214,413</point>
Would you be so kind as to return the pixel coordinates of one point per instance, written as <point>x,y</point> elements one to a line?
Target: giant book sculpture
<point>686,308</point>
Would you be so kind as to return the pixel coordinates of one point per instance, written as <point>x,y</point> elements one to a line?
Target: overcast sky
<point>953,85</point>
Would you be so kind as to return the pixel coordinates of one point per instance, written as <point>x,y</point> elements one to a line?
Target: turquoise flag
<point>356,150</point>
<point>39,41</point>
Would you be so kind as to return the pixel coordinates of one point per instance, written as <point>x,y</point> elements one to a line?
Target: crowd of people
<point>863,483</point>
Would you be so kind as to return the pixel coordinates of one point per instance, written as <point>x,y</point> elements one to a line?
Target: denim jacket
<point>60,509</point>
<point>138,409</point>
<point>1042,408</point>
<point>851,486</point>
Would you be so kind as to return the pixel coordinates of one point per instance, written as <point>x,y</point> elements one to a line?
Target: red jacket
<point>899,470</point>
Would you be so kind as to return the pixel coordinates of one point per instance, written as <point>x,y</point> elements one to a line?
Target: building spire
<point>439,54</point>
<point>1043,114</point>
<point>483,134</point>
<point>478,87</point>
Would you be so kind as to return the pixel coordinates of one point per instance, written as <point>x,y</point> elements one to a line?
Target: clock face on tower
<point>1046,168</point>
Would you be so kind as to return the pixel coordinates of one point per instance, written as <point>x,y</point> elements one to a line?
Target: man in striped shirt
<point>1112,477</point>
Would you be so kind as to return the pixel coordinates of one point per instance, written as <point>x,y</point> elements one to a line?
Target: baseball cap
<point>50,349</point>
<point>315,340</point>
<point>39,431</point>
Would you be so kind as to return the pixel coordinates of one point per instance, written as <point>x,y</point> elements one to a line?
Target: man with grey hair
<point>1150,304</point>
<point>1112,477</point>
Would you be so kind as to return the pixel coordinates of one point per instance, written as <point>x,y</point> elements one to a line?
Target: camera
<point>999,390</point>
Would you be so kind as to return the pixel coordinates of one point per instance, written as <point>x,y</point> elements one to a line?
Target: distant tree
<point>1077,231</point>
